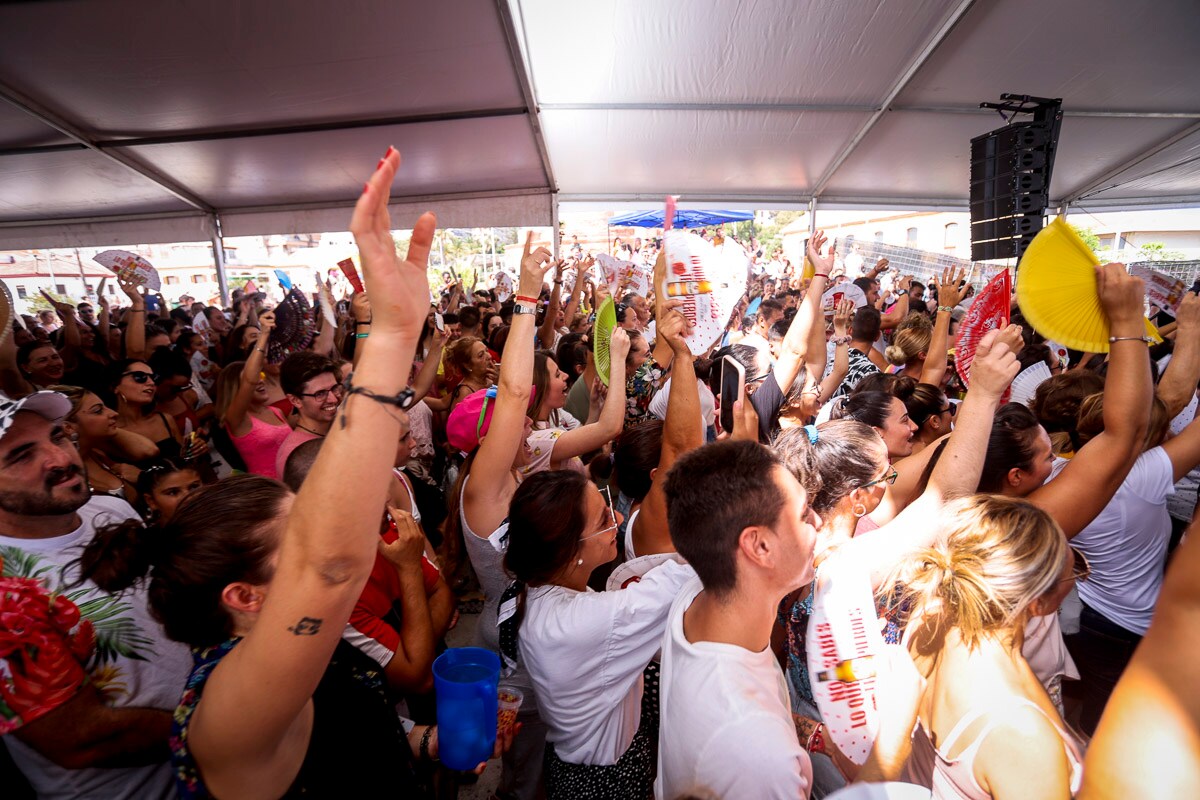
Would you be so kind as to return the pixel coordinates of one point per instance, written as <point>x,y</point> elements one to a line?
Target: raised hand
<point>62,308</point>
<point>130,287</point>
<point>673,327</point>
<point>821,263</point>
<point>360,307</point>
<point>1121,294</point>
<point>534,266</point>
<point>952,288</point>
<point>398,285</point>
<point>994,366</point>
<point>618,345</point>
<point>841,317</point>
<point>266,321</point>
<point>745,421</point>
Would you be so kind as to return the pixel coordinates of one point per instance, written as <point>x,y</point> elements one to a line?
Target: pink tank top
<point>260,445</point>
<point>955,778</point>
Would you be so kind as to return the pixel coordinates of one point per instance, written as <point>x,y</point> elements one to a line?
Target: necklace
<point>310,430</point>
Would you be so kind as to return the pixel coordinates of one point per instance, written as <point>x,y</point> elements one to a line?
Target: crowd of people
<point>233,540</point>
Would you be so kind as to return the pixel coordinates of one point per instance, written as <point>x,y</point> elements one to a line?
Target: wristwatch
<point>901,293</point>
<point>520,309</point>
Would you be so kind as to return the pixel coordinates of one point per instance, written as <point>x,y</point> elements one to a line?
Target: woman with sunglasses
<point>995,564</point>
<point>108,452</point>
<point>134,385</point>
<point>585,651</point>
<point>256,428</point>
<point>928,409</point>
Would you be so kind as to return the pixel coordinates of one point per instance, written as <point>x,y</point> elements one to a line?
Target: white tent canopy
<point>134,121</point>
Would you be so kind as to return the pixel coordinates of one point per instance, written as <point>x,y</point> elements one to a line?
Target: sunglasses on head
<point>1080,568</point>
<point>141,377</point>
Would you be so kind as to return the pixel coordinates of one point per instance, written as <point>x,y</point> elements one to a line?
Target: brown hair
<point>458,357</point>
<point>220,534</point>
<point>1091,421</point>
<point>1056,405</point>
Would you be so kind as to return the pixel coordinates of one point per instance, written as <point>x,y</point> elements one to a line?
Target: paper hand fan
<point>843,641</point>
<point>294,327</point>
<point>606,320</point>
<point>326,299</point>
<point>130,266</point>
<point>1024,386</point>
<point>709,279</point>
<point>284,280</point>
<point>633,570</point>
<point>843,291</point>
<point>988,312</point>
<point>504,286</point>
<point>346,265</point>
<point>613,269</point>
<point>1056,289</point>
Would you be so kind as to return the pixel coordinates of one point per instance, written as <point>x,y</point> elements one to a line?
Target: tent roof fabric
<point>684,218</point>
<point>135,118</point>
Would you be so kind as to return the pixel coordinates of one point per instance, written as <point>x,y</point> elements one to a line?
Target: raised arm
<point>804,332</point>
<point>491,473</point>
<point>549,324</point>
<point>12,382</point>
<point>591,437</point>
<point>70,325</point>
<point>957,471</point>
<point>237,419</point>
<point>682,432</point>
<point>949,295</point>
<point>429,367</point>
<point>410,668</point>
<point>841,353</point>
<point>1178,384</point>
<point>135,328</point>
<point>1093,476</point>
<point>581,269</point>
<point>899,311</point>
<point>103,319</point>
<point>328,549</point>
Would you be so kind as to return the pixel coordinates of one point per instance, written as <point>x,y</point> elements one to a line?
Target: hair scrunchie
<point>811,430</point>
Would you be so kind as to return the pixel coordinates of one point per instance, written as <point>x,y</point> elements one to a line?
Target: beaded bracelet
<point>947,309</point>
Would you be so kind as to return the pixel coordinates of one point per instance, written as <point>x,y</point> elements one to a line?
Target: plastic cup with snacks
<point>510,699</point>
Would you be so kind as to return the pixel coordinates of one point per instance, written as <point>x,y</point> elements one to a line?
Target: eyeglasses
<point>889,478</point>
<point>951,407</point>
<point>337,389</point>
<point>1080,568</point>
<point>141,377</point>
<point>612,517</point>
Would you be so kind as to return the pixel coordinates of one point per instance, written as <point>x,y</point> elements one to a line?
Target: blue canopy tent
<point>684,218</point>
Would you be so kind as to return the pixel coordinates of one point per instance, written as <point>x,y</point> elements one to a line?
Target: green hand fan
<point>606,320</point>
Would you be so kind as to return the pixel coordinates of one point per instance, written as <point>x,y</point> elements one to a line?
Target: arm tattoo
<point>307,626</point>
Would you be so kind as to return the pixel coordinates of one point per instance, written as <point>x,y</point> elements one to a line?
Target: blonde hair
<point>1091,421</point>
<point>912,338</point>
<point>993,557</point>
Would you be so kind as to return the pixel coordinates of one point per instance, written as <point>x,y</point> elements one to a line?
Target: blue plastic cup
<point>465,679</point>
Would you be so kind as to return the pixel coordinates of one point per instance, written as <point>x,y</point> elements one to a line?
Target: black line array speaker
<point>1010,178</point>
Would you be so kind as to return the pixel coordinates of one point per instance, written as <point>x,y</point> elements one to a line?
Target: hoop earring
<point>860,511</point>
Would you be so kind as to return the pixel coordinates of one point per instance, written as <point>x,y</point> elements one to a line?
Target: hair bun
<point>895,355</point>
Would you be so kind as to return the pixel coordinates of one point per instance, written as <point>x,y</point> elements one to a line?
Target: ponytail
<point>120,555</point>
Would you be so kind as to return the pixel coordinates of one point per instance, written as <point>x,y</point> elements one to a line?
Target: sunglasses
<point>951,407</point>
<point>141,377</point>
<point>889,478</point>
<point>612,517</point>
<point>1080,568</point>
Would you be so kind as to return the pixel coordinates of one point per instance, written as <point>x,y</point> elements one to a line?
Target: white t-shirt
<point>541,444</point>
<point>132,662</point>
<point>586,651</point>
<point>708,404</point>
<point>1126,545</point>
<point>726,728</point>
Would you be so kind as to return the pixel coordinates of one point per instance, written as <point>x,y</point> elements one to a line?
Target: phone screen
<point>440,322</point>
<point>733,388</point>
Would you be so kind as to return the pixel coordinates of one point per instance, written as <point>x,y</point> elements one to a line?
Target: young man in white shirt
<point>743,523</point>
<point>88,678</point>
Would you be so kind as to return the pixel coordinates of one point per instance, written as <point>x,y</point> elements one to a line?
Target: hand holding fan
<point>606,320</point>
<point>284,280</point>
<point>7,313</point>
<point>988,312</point>
<point>1024,386</point>
<point>1058,294</point>
<point>130,267</point>
<point>843,291</point>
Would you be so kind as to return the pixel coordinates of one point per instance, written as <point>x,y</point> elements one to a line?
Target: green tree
<point>1089,237</point>
<point>1157,251</point>
<point>38,303</point>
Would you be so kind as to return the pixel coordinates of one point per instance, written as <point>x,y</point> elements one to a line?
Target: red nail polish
<point>388,152</point>
<point>366,186</point>
<point>379,165</point>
